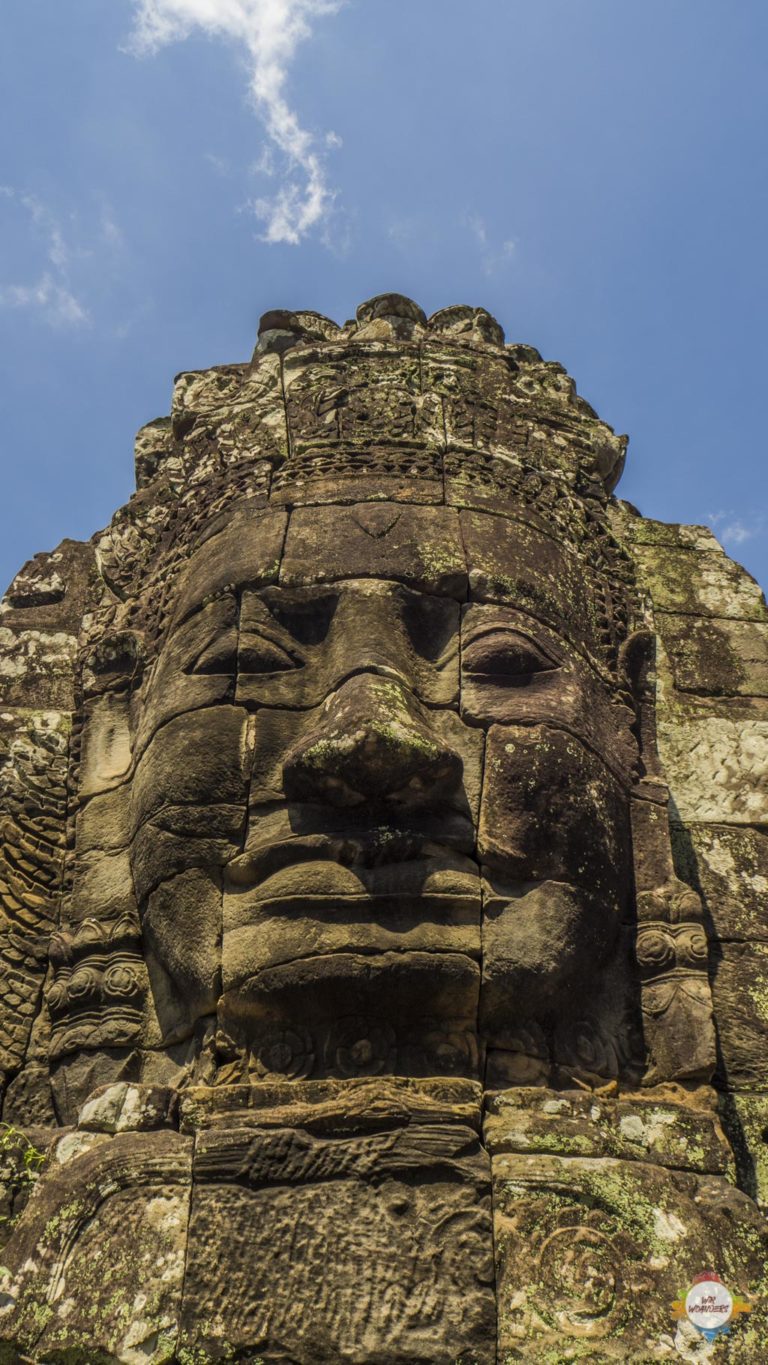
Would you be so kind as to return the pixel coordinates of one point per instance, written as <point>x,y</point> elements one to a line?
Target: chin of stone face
<point>383,868</point>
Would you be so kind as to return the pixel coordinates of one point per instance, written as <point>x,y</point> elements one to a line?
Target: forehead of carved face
<point>379,779</point>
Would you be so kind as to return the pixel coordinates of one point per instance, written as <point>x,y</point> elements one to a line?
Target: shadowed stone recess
<point>383,880</point>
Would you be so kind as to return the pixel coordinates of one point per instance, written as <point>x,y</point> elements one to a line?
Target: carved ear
<point>637,659</point>
<point>115,664</point>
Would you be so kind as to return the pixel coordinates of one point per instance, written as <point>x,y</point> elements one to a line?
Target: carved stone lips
<point>407,985</point>
<point>321,880</point>
<point>385,851</point>
<point>323,896</point>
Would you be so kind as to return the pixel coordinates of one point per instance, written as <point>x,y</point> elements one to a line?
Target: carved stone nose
<point>375,742</point>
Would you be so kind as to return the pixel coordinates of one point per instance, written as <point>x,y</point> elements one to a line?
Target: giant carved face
<point>364,807</point>
<point>378,791</point>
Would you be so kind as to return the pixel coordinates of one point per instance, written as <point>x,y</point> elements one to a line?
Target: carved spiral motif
<point>586,1046</point>
<point>83,985</point>
<point>529,1041</point>
<point>57,997</point>
<point>463,1240</point>
<point>121,981</point>
<point>660,949</point>
<point>364,1047</point>
<point>580,1273</point>
<point>285,1053</point>
<point>692,947</point>
<point>450,1053</point>
<point>655,949</point>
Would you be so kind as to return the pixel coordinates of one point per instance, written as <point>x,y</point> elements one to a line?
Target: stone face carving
<point>359,971</point>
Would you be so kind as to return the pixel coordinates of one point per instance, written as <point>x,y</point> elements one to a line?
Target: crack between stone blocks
<point>700,616</point>
<point>187,1242</point>
<point>288,441</point>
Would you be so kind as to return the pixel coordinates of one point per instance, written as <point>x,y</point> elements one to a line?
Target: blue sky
<point>592,171</point>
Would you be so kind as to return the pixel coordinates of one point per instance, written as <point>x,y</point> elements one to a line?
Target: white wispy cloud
<point>66,261</point>
<point>404,230</point>
<point>492,257</point>
<point>735,529</point>
<point>268,32</point>
<point>57,303</point>
<point>50,293</point>
<point>735,533</point>
<point>219,164</point>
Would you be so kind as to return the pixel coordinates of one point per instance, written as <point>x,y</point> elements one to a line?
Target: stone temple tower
<point>383,871</point>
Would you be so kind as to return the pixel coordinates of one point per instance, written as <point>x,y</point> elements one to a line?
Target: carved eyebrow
<point>300,597</point>
<point>520,632</point>
<point>196,633</point>
<point>193,607</point>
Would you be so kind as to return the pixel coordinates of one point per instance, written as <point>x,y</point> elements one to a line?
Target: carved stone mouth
<point>377,848</point>
<point>322,884</point>
<point>403,985</point>
<point>325,910</point>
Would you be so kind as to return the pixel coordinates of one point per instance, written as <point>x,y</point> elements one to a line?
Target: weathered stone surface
<point>591,1255</point>
<point>700,583</point>
<point>639,530</point>
<point>153,452</point>
<point>39,663</point>
<point>336,865</point>
<point>672,1128</point>
<point>23,1156</point>
<point>97,1260</point>
<point>717,768</point>
<point>407,1213</point>
<point>52,591</point>
<point>28,1100</point>
<point>514,563</point>
<point>716,657</point>
<point>388,542</point>
<point>515,669</point>
<point>249,559</point>
<point>125,1108</point>
<point>740,992</point>
<point>745,1119</point>
<point>728,865</point>
<point>333,1108</point>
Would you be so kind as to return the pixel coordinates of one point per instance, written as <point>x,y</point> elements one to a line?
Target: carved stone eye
<point>252,653</point>
<point>306,619</point>
<point>505,656</point>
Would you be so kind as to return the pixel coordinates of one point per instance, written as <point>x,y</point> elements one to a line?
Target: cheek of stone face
<point>188,803</point>
<point>543,944</point>
<point>181,927</point>
<point>552,811</point>
<point>555,856</point>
